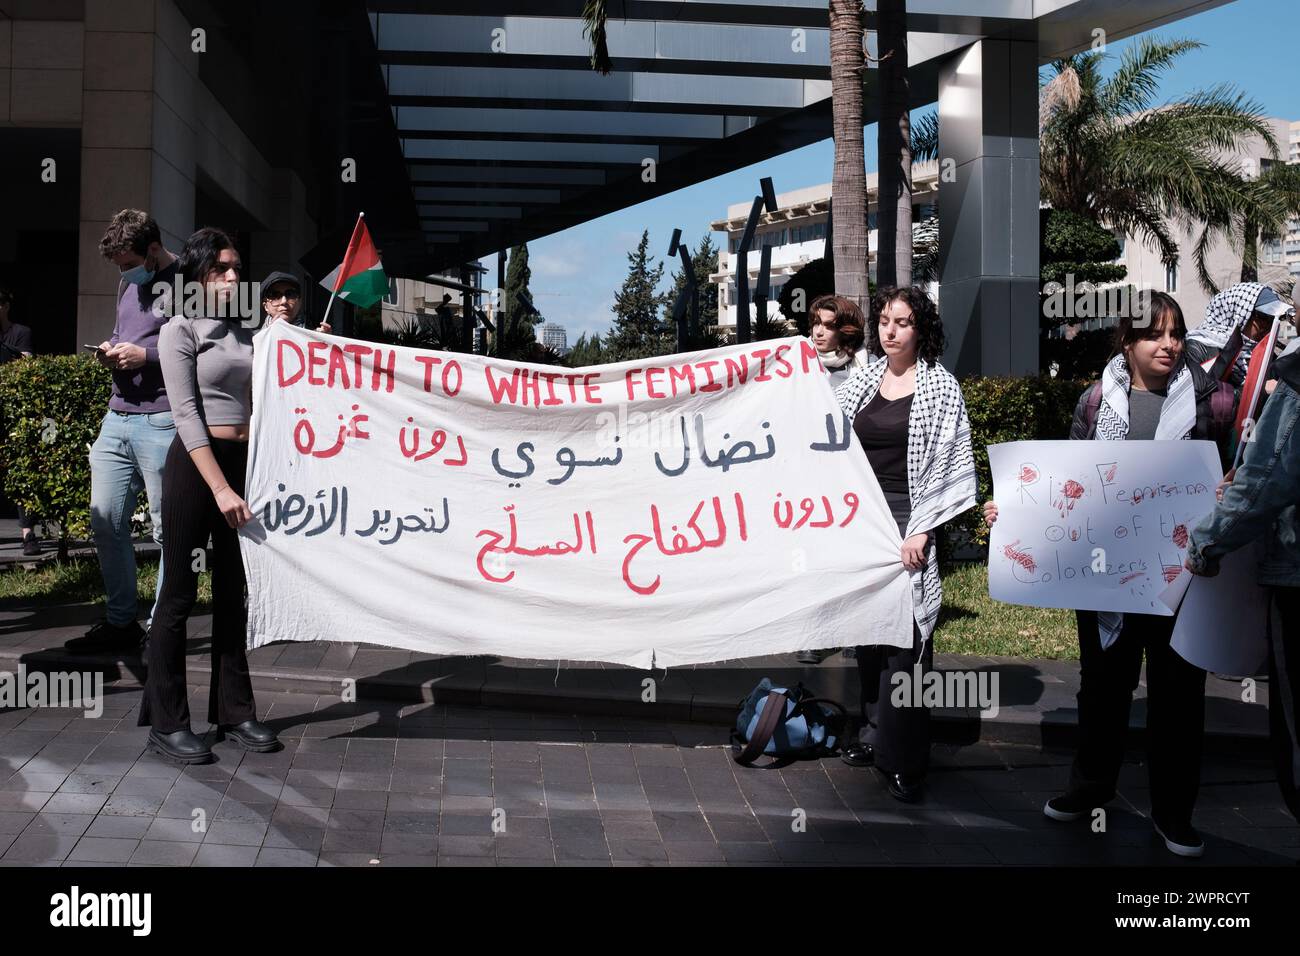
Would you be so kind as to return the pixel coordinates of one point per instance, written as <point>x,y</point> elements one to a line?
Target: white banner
<point>700,507</point>
<point>1097,526</point>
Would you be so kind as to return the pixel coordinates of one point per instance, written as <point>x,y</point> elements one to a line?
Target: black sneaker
<point>1071,806</point>
<point>105,637</point>
<point>31,546</point>
<point>1180,838</point>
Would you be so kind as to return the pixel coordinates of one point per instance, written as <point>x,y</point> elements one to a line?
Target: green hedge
<point>51,407</point>
<point>1009,409</point>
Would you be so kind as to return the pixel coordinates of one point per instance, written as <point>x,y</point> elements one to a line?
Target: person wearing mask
<point>138,429</point>
<point>208,365</point>
<point>837,331</point>
<point>16,343</point>
<point>1235,321</point>
<point>910,420</point>
<point>1262,502</point>
<point>1149,390</point>
<point>282,299</point>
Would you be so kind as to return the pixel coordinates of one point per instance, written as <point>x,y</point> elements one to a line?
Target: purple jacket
<point>141,390</point>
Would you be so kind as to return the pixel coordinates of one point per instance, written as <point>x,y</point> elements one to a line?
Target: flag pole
<point>335,291</point>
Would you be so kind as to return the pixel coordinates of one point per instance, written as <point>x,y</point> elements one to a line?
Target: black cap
<point>275,277</point>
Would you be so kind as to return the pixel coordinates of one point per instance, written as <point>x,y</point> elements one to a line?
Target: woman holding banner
<point>837,330</point>
<point>207,364</point>
<point>1150,389</point>
<point>910,419</point>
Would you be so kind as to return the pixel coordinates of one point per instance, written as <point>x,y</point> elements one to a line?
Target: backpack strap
<point>773,714</point>
<point>1226,360</point>
<point>1091,403</point>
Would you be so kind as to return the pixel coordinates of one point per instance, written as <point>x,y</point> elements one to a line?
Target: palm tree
<point>849,179</point>
<point>1280,185</point>
<point>894,137</point>
<point>1107,153</point>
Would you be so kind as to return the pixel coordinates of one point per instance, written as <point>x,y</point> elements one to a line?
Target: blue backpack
<point>787,725</point>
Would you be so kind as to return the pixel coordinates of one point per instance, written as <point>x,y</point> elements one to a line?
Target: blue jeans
<point>128,455</point>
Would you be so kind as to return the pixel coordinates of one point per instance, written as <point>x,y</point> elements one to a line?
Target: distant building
<point>797,234</point>
<point>418,301</point>
<point>555,338</point>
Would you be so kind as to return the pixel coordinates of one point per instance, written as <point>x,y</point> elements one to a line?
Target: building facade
<point>797,233</point>
<point>555,338</point>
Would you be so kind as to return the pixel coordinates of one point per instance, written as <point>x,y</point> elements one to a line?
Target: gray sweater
<point>207,365</point>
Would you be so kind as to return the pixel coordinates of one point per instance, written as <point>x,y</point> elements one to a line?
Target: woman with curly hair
<point>910,419</point>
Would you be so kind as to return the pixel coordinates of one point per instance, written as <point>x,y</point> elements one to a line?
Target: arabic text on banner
<point>700,507</point>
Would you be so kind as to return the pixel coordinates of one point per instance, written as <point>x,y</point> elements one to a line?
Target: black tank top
<point>881,427</point>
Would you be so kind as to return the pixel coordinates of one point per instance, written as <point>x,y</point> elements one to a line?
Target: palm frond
<point>1216,119</point>
<point>925,138</point>
<point>1136,82</point>
<point>593,17</point>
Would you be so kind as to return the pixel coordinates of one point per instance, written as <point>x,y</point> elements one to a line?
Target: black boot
<point>252,735</point>
<point>901,788</point>
<point>182,746</point>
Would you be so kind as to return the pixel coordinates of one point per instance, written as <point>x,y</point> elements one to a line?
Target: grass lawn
<point>971,622</point>
<point>78,580</point>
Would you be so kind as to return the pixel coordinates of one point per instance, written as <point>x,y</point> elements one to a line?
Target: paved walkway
<point>386,784</point>
<point>1037,697</point>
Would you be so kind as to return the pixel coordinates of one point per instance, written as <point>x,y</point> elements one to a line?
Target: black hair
<point>6,298</point>
<point>200,253</point>
<point>930,339</point>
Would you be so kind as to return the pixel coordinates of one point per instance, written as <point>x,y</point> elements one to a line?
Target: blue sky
<point>1253,44</point>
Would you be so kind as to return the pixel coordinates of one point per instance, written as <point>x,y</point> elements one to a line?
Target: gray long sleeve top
<point>207,365</point>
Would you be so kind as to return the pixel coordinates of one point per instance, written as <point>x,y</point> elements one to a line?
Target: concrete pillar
<point>988,208</point>
<point>136,148</point>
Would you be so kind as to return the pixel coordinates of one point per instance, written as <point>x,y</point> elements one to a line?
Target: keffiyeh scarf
<point>1221,333</point>
<point>940,464</point>
<point>1177,420</point>
<point>1177,415</point>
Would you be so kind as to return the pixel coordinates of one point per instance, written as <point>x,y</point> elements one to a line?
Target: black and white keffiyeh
<point>940,463</point>
<point>1225,317</point>
<point>1177,415</point>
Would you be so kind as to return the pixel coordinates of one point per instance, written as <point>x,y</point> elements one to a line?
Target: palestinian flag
<point>360,278</point>
<point>1252,390</point>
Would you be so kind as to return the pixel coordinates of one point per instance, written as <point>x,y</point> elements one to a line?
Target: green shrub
<point>1003,410</point>
<point>50,411</point>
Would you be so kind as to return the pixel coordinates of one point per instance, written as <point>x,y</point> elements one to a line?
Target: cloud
<point>560,260</point>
